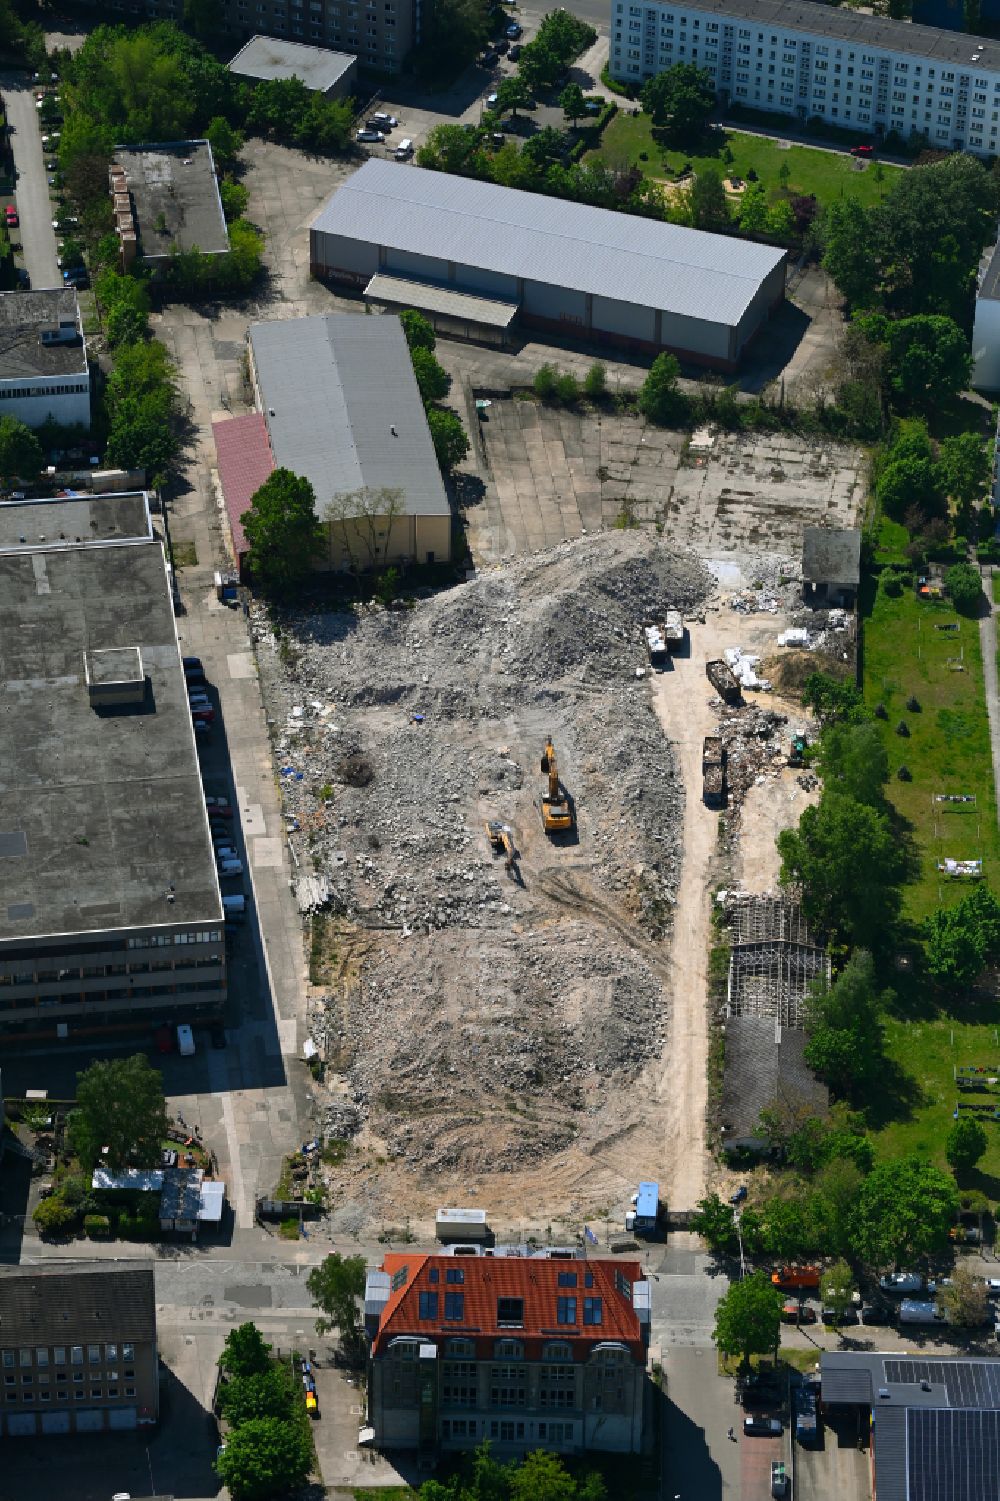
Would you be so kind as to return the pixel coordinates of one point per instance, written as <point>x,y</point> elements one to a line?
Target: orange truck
<point>795,1278</point>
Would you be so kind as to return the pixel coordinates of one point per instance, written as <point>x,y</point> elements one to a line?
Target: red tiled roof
<point>487,1278</point>
<point>245,461</point>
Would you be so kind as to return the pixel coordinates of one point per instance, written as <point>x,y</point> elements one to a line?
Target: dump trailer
<point>792,1278</point>
<point>713,771</point>
<point>723,680</point>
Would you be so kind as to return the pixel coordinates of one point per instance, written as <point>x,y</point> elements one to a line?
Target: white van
<point>403,150</point>
<point>185,1040</point>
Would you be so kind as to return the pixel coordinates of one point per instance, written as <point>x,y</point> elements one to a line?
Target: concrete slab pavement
<point>34,205</point>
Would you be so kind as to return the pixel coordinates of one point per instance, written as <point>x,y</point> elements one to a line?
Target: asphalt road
<point>34,206</point>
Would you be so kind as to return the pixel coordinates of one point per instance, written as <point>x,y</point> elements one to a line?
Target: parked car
<point>969,1235</point>
<point>739,1195</point>
<point>875,1313</point>
<point>370,137</point>
<point>763,1427</point>
<point>593,106</point>
<point>23,279</point>
<point>798,1313</point>
<point>10,214</point>
<point>491,99</point>
<point>515,52</point>
<point>862,150</point>
<point>380,120</point>
<point>901,1282</point>
<point>191,662</point>
<point>514,31</point>
<point>502,46</point>
<point>219,807</point>
<point>202,727</point>
<point>488,58</point>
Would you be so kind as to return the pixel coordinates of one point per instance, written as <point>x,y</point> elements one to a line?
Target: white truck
<point>461,1225</point>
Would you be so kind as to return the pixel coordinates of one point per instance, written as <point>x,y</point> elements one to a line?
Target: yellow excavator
<point>557,811</point>
<point>501,837</point>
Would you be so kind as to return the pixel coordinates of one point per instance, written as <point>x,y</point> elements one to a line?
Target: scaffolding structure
<point>774,960</point>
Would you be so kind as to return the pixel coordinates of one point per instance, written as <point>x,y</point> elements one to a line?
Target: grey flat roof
<point>989,277</point>
<point>831,555</point>
<point>267,57</point>
<point>101,810</point>
<point>399,291</point>
<point>60,1305</point>
<point>619,256</point>
<point>859,30</point>
<point>68,521</point>
<point>175,179</point>
<point>23,315</point>
<point>332,389</point>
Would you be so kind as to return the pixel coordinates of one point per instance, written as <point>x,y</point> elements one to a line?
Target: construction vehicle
<point>501,837</point>
<point>723,680</point>
<point>713,772</point>
<point>792,1278</point>
<point>557,811</point>
<point>797,750</point>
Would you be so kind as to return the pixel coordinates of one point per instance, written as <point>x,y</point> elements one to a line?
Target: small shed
<point>831,565</point>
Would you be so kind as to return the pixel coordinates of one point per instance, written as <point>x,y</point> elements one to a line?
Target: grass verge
<point>827,174</point>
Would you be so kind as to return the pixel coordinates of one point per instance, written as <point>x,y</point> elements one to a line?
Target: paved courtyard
<point>553,474</point>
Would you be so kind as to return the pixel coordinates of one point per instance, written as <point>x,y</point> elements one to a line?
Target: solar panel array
<point>952,1456</point>
<point>967,1383</point>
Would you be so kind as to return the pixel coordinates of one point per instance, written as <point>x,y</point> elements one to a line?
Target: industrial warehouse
<point>408,237</point>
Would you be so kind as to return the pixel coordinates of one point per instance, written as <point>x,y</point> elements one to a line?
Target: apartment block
<point>806,60</point>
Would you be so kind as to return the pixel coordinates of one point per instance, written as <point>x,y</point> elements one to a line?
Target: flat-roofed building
<point>165,196</point>
<point>44,374</point>
<point>77,1350</point>
<point>267,58</point>
<point>110,908</point>
<point>543,263</point>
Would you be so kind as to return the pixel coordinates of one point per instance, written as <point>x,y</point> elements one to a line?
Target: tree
<point>848,251</point>
<point>748,1318</point>
<point>54,1216</point>
<point>245,1353</point>
<point>714,1222</point>
<point>455,32</point>
<point>707,201</point>
<point>847,860</point>
<point>282,530</point>
<point>833,699</point>
<point>787,1228</point>
<point>781,219</point>
<point>752,217</point>
<point>432,379</point>
<point>541,1476</point>
<point>418,330</point>
<point>853,759</point>
<point>226,143</point>
<point>361,523</point>
<point>265,1457</point>
<point>235,197</point>
<point>682,99</point>
<point>204,17</point>
<point>964,467</point>
<point>846,1046</point>
<point>836,1288</point>
<point>905,1208</point>
<point>659,397</point>
<point>834,1193</point>
<point>448,436</point>
<point>965,587</point>
<point>452,148</point>
<point>962,938</point>
<point>335,1287</point>
<point>263,1394</point>
<point>572,102</point>
<point>125,324</point>
<point>20,450</point>
<point>965,1300</point>
<point>512,94</point>
<point>119,1120</point>
<point>966,1144</point>
<point>929,356</point>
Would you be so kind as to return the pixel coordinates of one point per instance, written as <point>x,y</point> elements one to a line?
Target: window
<point>112,1392</point>
<point>454,1274</point>
<point>41,1357</point>
<point>428,1305</point>
<point>96,1393</point>
<point>59,1355</point>
<point>45,1396</point>
<point>25,1357</point>
<point>81,1395</point>
<point>593,1312</point>
<point>94,1354</point>
<point>565,1310</point>
<point>77,1376</point>
<point>567,1279</point>
<point>130,1391</point>
<point>8,1359</point>
<point>111,1352</point>
<point>433,1274</point>
<point>454,1306</point>
<point>510,1313</point>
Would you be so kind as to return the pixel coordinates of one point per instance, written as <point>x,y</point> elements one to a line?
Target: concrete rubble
<point>493,1015</point>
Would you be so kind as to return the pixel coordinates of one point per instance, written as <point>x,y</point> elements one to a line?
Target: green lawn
<point>828,174</point>
<point>948,747</point>
<point>929,1050</point>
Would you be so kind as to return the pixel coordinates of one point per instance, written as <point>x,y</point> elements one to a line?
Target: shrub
<point>568,388</point>
<point>965,586</point>
<point>54,1217</point>
<point>96,1226</point>
<point>595,382</point>
<point>544,383</point>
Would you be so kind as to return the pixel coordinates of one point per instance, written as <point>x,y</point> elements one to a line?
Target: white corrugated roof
<point>620,256</point>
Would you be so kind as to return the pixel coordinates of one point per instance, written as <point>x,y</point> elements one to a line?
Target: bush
<point>544,383</point>
<point>54,1217</point>
<point>595,382</point>
<point>568,388</point>
<point>96,1226</point>
<point>659,398</point>
<point>965,586</point>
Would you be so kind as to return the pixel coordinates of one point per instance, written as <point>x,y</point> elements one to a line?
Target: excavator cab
<point>501,837</point>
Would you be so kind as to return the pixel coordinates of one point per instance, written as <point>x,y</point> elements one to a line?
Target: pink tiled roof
<point>245,461</point>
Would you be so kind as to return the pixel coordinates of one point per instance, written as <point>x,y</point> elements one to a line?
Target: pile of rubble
<point>756,741</point>
<point>397,733</point>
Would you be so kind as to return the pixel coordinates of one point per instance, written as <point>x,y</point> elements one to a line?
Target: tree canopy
<point>451,443</point>
<point>283,531</point>
<point>961,939</point>
<point>928,356</point>
<point>846,1046</point>
<point>681,99</point>
<point>539,1476</point>
<point>966,1144</point>
<point>905,1208</point>
<point>20,450</point>
<point>965,588</point>
<point>263,1394</point>
<point>265,1457</point>
<point>853,759</point>
<point>245,1352</point>
<point>847,860</point>
<point>748,1318</point>
<point>660,398</point>
<point>119,1119</point>
<point>335,1287</point>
